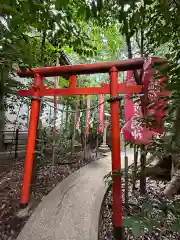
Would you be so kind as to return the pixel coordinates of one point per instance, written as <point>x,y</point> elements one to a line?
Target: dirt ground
<point>10,185</point>
<point>151,217</point>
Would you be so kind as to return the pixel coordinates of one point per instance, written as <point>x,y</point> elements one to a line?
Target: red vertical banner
<point>88,114</point>
<point>154,84</point>
<point>153,90</point>
<point>101,113</point>
<point>128,102</point>
<point>133,130</point>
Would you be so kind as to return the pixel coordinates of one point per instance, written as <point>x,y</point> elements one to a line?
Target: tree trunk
<point>2,123</point>
<point>81,124</point>
<point>43,42</point>
<point>174,185</point>
<point>143,171</point>
<point>67,116</point>
<point>138,81</point>
<point>130,56</point>
<point>54,134</point>
<point>54,122</point>
<point>126,196</point>
<point>142,43</point>
<point>74,134</point>
<point>129,48</point>
<point>3,77</point>
<point>74,123</point>
<point>63,114</point>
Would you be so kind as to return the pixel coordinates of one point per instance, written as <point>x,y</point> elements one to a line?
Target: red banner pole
<point>34,117</point>
<point>116,157</point>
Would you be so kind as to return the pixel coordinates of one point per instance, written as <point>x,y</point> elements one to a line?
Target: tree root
<point>173,186</point>
<point>161,170</point>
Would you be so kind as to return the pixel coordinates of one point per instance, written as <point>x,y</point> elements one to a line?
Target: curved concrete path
<point>71,210</point>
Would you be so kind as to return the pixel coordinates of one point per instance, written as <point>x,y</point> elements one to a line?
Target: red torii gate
<point>114,89</point>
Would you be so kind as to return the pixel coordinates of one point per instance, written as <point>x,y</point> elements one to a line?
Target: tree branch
<point>137,40</point>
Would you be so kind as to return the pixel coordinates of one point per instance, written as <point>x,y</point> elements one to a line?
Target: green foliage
<point>155,27</point>
<point>33,33</point>
<point>147,219</point>
<point>135,225</point>
<point>63,82</point>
